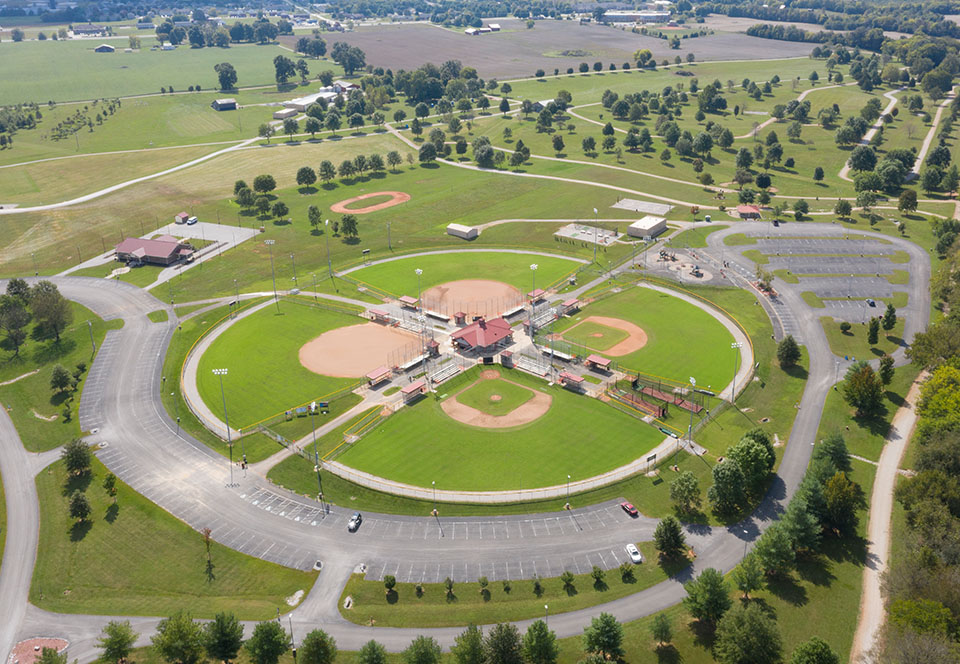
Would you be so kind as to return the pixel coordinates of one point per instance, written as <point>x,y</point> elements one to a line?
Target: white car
<point>191,221</point>
<point>354,522</point>
<point>634,553</point>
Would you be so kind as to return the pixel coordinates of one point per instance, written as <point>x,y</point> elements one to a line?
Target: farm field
<point>265,375</point>
<point>579,436</point>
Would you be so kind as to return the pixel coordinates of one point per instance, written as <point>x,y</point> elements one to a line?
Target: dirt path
<point>872,610</point>
<point>396,198</point>
<point>20,377</point>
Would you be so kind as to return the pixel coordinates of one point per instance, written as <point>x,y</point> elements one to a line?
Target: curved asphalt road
<point>121,400</point>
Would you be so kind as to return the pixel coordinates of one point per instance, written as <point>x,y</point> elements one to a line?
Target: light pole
<point>273,273</point>
<point>736,346</point>
<point>314,275</point>
<point>836,375</point>
<point>419,303</point>
<point>434,483</point>
<point>595,222</point>
<point>693,385</point>
<point>294,261</point>
<point>93,344</point>
<point>326,236</point>
<point>220,373</point>
<point>533,298</point>
<point>236,289</point>
<point>546,613</point>
<point>568,489</point>
<point>36,270</point>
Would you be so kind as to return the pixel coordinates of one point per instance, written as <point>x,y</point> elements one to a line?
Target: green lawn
<point>265,375</point>
<point>494,397</point>
<point>694,237</point>
<point>854,343</point>
<point>682,340</point>
<point>739,239</point>
<point>579,436</point>
<point>399,277</point>
<point>434,607</point>
<point>133,558</point>
<point>35,409</point>
<point>158,316</point>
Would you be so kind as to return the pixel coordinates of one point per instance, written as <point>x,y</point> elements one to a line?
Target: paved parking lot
<point>854,311</point>
<point>831,264</point>
<point>856,287</point>
<point>772,245</point>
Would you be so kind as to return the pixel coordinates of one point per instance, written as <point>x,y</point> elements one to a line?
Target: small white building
<point>494,27</point>
<point>648,226</point>
<point>303,103</point>
<point>461,231</point>
<point>285,113</point>
<point>471,31</point>
<point>344,87</point>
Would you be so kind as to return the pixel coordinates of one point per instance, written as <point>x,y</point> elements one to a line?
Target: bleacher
<point>560,355</point>
<point>544,318</point>
<point>514,311</point>
<point>531,365</point>
<point>438,316</point>
<point>411,325</point>
<point>446,372</point>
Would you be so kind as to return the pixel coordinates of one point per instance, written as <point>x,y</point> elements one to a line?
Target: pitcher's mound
<point>396,198</point>
<point>475,297</point>
<point>352,351</point>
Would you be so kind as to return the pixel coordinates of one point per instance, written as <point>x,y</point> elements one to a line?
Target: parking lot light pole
<point>546,613</point>
<point>273,273</point>
<point>220,373</point>
<point>326,236</point>
<point>434,483</point>
<point>294,261</point>
<point>736,346</point>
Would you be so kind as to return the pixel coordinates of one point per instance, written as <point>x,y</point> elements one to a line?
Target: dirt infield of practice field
<point>355,350</point>
<point>397,197</point>
<point>536,407</point>
<point>636,337</point>
<point>475,297</point>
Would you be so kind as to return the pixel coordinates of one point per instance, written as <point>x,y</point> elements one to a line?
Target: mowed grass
<point>579,436</point>
<point>694,237</point>
<point>260,352</point>
<point>499,602</point>
<point>682,340</point>
<point>494,397</point>
<point>399,277</point>
<point>595,335</point>
<point>35,409</point>
<point>133,558</point>
<point>854,343</point>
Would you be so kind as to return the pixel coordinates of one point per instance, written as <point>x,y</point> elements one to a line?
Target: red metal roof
<point>599,361</point>
<point>536,293</point>
<point>148,248</point>
<point>378,373</point>
<point>748,208</point>
<point>413,387</point>
<point>572,301</point>
<point>407,299</point>
<point>483,333</point>
<point>573,378</point>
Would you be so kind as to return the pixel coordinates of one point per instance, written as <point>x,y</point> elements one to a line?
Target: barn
<point>461,231</point>
<point>228,104</point>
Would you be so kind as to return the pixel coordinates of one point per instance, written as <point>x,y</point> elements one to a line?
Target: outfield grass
<point>265,375</point>
<point>399,276</point>
<point>595,335</point>
<point>682,340</point>
<point>579,436</point>
<point>30,399</point>
<point>854,343</point>
<point>133,558</point>
<point>480,395</point>
<point>468,604</point>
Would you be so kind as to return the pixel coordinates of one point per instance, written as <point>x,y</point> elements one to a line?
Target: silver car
<point>634,553</point>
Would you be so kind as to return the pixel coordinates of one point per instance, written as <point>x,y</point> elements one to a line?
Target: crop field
<point>682,340</point>
<point>399,276</point>
<point>265,375</point>
<point>579,436</point>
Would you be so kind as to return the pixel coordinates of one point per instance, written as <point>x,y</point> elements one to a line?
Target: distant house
<point>483,336</point>
<point>90,30</point>
<point>494,27</point>
<point>164,250</point>
<point>542,104</point>
<point>180,218</point>
<point>303,103</point>
<point>344,86</point>
<point>228,104</point>
<point>748,211</point>
<point>104,48</point>
<point>471,31</point>
<point>145,25</point>
<point>285,113</point>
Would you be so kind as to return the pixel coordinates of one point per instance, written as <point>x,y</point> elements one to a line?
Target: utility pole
<point>533,299</point>
<point>220,373</point>
<point>276,299</point>
<point>389,246</point>
<point>736,346</point>
<point>314,275</point>
<point>237,289</point>
<point>93,345</point>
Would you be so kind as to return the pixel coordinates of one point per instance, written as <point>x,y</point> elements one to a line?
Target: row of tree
<point>43,304</point>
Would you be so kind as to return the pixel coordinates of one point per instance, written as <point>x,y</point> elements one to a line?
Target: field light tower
<point>533,299</point>
<point>736,346</point>
<point>276,299</point>
<point>220,373</point>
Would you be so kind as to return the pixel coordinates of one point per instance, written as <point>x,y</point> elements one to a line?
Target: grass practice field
<point>579,436</point>
<point>133,558</point>
<point>682,340</point>
<point>494,397</point>
<point>399,276</point>
<point>265,375</point>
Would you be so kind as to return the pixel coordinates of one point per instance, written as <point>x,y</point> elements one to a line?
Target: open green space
<point>158,316</point>
<point>578,436</point>
<point>132,558</point>
<point>739,239</point>
<point>265,375</point>
<point>494,397</point>
<point>694,237</point>
<point>682,340</point>
<point>854,343</point>
<point>399,276</point>
<point>498,602</point>
<point>597,336</point>
<point>36,409</point>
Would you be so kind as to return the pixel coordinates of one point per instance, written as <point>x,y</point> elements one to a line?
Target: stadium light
<point>220,373</point>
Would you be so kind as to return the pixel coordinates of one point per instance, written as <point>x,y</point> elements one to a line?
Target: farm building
<point>483,335</point>
<point>104,48</point>
<point>164,250</point>
<point>542,104</point>
<point>303,103</point>
<point>285,113</point>
<point>224,104</point>
<point>344,86</point>
<point>657,16</point>
<point>461,231</point>
<point>180,218</point>
<point>494,27</point>
<point>748,211</point>
<point>90,30</point>
<point>145,25</point>
<point>471,32</point>
<point>648,226</point>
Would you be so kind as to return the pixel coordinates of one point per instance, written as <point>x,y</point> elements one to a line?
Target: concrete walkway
<point>928,139</point>
<point>867,137</point>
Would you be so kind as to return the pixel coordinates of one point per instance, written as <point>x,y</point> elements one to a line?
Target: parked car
<point>354,522</point>
<point>191,221</point>
<point>629,509</point>
<point>871,302</point>
<point>634,553</point>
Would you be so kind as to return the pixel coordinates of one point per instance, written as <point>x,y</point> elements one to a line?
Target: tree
<point>863,158</point>
<point>747,634</point>
<point>685,491</point>
<point>51,310</point>
<point>348,225</point>
<point>727,492</point>
<point>665,155</point>
<point>267,643</point>
<point>863,389</point>
<point>800,208</point>
<point>668,537</point>
<point>468,646</point>
<point>76,457</point>
<point>744,159</point>
<point>263,184</point>
<point>818,174</point>
<point>814,651</point>
<point>428,153</point>
<point>394,159</point>
<point>116,641</point>
<point>306,176</point>
<point>842,498</point>
<point>422,650</point>
<point>51,656</point>
<point>539,644</point>
<point>327,171</point>
<point>502,645</point>
<point>110,485</point>
<point>59,378</point>
<point>227,75</point>
<point>290,127</point>
<point>842,209</point>
<point>707,597</point>
<point>223,637</point>
<point>589,144</point>
<point>907,201</point>
<point>283,69</point>
<point>332,122</point>
<point>748,576</point>
<point>604,637</point>
<point>346,169</point>
<point>788,352</point>
<point>873,331</point>
<point>661,629</point>
<point>280,210</point>
<point>774,551</point>
<point>890,317</point>
<point>372,653</point>
<point>179,640</point>
<point>351,58</point>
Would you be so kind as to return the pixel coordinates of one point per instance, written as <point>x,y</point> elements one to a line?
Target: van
<point>191,221</point>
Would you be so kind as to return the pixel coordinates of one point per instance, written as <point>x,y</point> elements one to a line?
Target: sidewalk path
<point>844,172</point>
<point>928,140</point>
